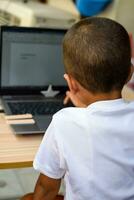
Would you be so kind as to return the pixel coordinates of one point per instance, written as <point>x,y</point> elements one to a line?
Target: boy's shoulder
<point>73,113</point>
<point>70,112</point>
<point>80,116</point>
<point>69,121</point>
<point>70,115</point>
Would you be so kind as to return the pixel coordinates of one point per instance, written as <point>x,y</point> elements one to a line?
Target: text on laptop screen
<point>32,58</point>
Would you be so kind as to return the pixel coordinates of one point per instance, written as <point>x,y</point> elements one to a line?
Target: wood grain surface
<point>16,150</point>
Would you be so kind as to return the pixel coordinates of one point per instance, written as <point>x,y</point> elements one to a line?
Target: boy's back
<point>96,146</point>
<point>91,147</point>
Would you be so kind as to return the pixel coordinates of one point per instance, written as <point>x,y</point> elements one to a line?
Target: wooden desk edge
<point>16,165</point>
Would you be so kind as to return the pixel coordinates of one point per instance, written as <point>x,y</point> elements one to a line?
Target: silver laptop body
<point>31,61</point>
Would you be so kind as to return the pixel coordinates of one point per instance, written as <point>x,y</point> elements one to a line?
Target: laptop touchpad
<point>43,121</point>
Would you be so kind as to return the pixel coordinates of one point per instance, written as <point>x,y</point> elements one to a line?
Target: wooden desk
<point>16,150</point>
<point>19,151</point>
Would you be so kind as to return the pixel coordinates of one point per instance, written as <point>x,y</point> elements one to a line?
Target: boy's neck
<point>92,98</point>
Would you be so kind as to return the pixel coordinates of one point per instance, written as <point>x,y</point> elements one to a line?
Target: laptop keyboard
<point>35,108</point>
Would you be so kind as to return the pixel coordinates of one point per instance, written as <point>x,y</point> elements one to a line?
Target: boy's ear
<point>130,74</point>
<point>72,83</point>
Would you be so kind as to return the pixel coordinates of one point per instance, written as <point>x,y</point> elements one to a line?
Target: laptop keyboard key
<point>35,108</point>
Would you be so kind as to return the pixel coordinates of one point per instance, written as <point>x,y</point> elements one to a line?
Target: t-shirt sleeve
<point>49,158</point>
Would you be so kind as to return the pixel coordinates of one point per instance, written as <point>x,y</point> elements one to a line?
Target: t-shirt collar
<point>106,103</point>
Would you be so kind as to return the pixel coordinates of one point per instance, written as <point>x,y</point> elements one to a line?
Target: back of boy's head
<point>97,54</point>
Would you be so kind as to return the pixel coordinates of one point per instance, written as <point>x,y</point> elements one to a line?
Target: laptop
<point>31,69</point>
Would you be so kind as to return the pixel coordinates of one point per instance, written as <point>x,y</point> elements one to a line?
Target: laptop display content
<point>31,60</point>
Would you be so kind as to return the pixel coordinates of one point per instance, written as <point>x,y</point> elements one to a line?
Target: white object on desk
<point>21,121</point>
<point>21,116</point>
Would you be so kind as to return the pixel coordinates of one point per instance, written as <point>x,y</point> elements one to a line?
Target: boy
<point>91,146</point>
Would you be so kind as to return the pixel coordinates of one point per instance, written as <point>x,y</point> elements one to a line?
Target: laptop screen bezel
<point>19,90</point>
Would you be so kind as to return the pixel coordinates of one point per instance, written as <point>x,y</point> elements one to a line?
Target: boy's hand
<point>72,95</point>
<point>73,98</point>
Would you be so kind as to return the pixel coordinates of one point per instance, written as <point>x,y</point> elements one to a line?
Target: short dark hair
<point>97,54</point>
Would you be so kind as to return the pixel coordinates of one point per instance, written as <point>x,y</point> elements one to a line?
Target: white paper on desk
<point>21,121</point>
<point>18,117</point>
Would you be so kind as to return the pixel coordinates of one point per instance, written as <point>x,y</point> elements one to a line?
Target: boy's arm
<point>46,188</point>
<point>49,161</point>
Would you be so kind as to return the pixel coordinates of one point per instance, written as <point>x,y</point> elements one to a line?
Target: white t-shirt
<point>93,149</point>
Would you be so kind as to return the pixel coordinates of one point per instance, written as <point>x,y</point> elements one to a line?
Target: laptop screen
<point>31,57</point>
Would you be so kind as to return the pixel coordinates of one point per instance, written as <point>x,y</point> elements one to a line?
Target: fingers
<point>66,100</point>
<point>74,99</point>
<point>73,93</point>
